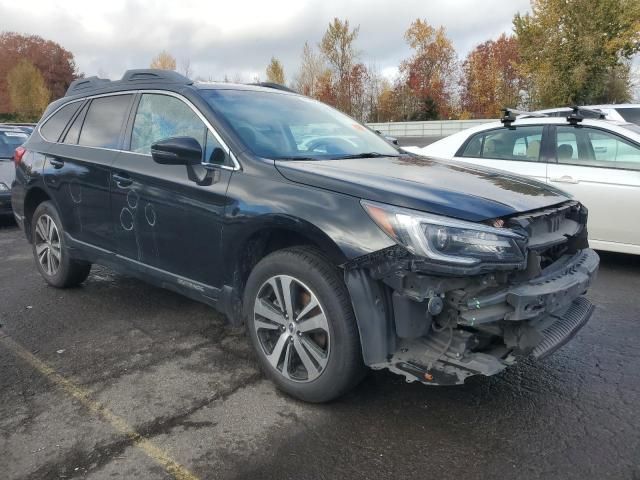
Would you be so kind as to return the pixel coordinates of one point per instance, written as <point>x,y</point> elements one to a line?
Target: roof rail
<point>275,86</point>
<point>155,75</point>
<point>83,85</point>
<point>577,114</point>
<point>509,115</point>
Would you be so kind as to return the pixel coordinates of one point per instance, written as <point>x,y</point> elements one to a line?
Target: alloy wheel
<point>292,328</point>
<point>47,244</point>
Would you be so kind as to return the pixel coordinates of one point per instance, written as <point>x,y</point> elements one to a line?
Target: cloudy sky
<point>239,37</point>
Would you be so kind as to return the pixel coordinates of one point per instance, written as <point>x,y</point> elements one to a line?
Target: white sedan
<point>597,161</point>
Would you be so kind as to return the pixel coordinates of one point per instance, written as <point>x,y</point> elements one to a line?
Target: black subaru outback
<point>336,249</point>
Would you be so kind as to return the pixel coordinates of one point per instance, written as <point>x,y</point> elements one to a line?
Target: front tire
<point>301,324</point>
<point>50,251</point>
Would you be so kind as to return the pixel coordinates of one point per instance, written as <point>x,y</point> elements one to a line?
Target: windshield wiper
<point>365,155</point>
<point>294,158</point>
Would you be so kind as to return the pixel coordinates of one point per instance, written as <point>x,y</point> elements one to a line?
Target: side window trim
<point>50,116</point>
<point>548,145</point>
<point>126,144</point>
<point>136,94</point>
<point>82,111</point>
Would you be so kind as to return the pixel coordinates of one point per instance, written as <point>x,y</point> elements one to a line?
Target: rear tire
<point>307,343</point>
<point>50,251</point>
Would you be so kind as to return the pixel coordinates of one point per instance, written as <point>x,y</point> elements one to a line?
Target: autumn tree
<point>570,48</point>
<point>164,61</point>
<point>28,92</point>
<point>386,107</point>
<point>490,78</point>
<point>55,64</point>
<point>312,67</point>
<point>275,71</point>
<point>338,48</point>
<point>430,72</point>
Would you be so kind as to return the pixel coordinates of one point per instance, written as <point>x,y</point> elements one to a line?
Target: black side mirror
<point>217,156</point>
<point>177,151</point>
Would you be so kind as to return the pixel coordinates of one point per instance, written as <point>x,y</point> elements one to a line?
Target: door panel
<point>78,179</point>
<point>601,170</point>
<point>611,195</point>
<point>170,216</point>
<point>78,170</point>
<point>537,170</point>
<point>164,219</point>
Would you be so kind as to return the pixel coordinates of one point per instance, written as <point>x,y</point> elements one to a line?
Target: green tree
<point>275,71</point>
<point>570,48</point>
<point>28,93</point>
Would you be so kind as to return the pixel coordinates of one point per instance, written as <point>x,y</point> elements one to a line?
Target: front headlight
<point>446,239</point>
<point>4,187</point>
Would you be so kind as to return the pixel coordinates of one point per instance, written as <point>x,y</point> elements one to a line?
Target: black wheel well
<point>34,197</point>
<point>261,244</point>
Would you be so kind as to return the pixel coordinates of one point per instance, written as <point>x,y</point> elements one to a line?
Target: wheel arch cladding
<point>34,197</point>
<point>261,242</point>
<point>372,308</point>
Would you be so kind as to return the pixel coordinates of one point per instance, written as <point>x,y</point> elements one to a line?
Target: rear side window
<point>104,121</point>
<point>54,126</point>
<point>631,115</point>
<point>521,143</point>
<point>592,147</point>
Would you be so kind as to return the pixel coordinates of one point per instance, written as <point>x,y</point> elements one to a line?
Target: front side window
<point>104,121</point>
<point>163,116</point>
<point>595,147</point>
<point>520,143</point>
<point>290,127</point>
<point>54,126</point>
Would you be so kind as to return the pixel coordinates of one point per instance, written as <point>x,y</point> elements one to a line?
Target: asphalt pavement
<point>118,379</point>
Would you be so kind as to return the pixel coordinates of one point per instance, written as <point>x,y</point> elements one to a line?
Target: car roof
<point>143,79</point>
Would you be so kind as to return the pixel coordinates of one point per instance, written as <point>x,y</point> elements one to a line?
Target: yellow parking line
<point>118,423</point>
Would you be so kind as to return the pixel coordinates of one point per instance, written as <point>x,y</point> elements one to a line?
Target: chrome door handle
<point>122,180</point>
<point>564,179</point>
<point>56,162</point>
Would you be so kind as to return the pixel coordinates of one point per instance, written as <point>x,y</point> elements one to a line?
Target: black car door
<point>78,167</point>
<point>169,217</point>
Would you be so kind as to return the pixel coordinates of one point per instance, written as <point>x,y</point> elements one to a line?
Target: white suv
<point>597,161</point>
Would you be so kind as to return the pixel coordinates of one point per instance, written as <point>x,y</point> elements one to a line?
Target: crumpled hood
<point>456,190</point>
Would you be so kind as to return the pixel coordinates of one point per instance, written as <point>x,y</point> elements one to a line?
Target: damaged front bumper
<point>441,330</point>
